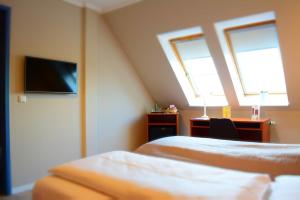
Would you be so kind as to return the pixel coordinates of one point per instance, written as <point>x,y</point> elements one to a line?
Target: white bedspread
<point>125,175</point>
<point>286,188</point>
<point>274,159</point>
<point>55,188</point>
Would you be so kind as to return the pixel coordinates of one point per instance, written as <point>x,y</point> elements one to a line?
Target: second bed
<point>273,159</point>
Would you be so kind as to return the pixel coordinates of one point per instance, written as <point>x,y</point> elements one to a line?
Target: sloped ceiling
<point>102,6</point>
<point>137,26</point>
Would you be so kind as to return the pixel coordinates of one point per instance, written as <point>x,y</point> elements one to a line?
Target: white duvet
<point>286,188</point>
<point>125,175</point>
<point>274,159</point>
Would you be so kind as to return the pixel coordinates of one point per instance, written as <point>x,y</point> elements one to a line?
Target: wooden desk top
<point>248,120</point>
<point>163,113</point>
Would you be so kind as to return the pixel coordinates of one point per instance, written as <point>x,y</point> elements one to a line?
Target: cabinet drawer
<point>156,132</point>
<point>162,118</point>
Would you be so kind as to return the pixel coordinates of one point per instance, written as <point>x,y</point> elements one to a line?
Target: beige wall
<point>50,129</point>
<point>123,100</point>
<point>116,100</point>
<point>92,43</point>
<point>137,27</point>
<point>46,130</point>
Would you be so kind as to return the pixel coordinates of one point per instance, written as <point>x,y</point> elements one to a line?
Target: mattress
<point>53,187</point>
<point>125,175</point>
<point>273,159</point>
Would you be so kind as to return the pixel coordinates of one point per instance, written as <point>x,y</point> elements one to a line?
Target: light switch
<point>22,99</point>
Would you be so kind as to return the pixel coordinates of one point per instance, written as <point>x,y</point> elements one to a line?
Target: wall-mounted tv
<point>50,76</point>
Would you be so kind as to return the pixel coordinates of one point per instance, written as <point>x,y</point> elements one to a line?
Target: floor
<point>20,196</point>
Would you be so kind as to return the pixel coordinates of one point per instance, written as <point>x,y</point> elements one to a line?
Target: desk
<point>248,129</point>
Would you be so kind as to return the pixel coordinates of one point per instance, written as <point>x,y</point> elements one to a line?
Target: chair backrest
<point>222,128</point>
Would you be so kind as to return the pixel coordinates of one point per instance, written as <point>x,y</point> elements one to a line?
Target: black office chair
<point>222,128</point>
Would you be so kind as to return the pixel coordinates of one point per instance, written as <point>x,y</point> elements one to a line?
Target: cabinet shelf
<point>160,124</point>
<point>249,129</point>
<point>200,127</point>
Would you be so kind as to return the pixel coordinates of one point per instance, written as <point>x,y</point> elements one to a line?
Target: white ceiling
<point>102,6</point>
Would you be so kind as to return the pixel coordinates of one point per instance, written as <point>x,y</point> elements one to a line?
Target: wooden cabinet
<point>248,129</point>
<point>162,125</point>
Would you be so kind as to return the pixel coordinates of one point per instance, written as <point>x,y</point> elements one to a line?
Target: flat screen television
<point>50,76</point>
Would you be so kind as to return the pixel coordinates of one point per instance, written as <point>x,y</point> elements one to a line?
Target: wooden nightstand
<point>162,125</point>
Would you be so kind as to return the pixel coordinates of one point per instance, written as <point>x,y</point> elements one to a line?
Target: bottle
<point>255,112</point>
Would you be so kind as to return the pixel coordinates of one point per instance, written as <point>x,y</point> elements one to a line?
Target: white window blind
<point>199,67</point>
<point>258,59</point>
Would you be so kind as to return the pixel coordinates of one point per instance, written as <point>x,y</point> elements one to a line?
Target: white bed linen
<point>125,175</point>
<point>51,187</point>
<point>286,187</point>
<point>274,159</point>
<point>55,188</point>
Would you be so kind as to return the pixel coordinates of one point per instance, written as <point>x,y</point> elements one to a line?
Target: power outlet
<point>22,99</point>
<point>272,123</point>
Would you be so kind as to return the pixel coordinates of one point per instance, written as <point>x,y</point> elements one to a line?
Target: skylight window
<point>252,53</point>
<point>193,65</point>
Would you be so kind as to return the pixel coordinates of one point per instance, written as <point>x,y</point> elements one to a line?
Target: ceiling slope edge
<point>101,9</point>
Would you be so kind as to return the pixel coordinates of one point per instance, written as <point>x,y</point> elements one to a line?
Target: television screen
<point>50,76</point>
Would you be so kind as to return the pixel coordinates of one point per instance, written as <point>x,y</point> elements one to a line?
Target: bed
<point>273,159</point>
<point>125,175</point>
<point>54,187</point>
<point>51,187</point>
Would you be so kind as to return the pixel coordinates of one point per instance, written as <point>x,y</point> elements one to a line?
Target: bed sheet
<point>124,175</point>
<point>131,176</point>
<point>52,187</point>
<point>286,187</point>
<point>273,159</point>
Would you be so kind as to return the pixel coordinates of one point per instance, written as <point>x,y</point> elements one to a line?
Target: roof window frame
<point>222,29</point>
<point>167,41</point>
